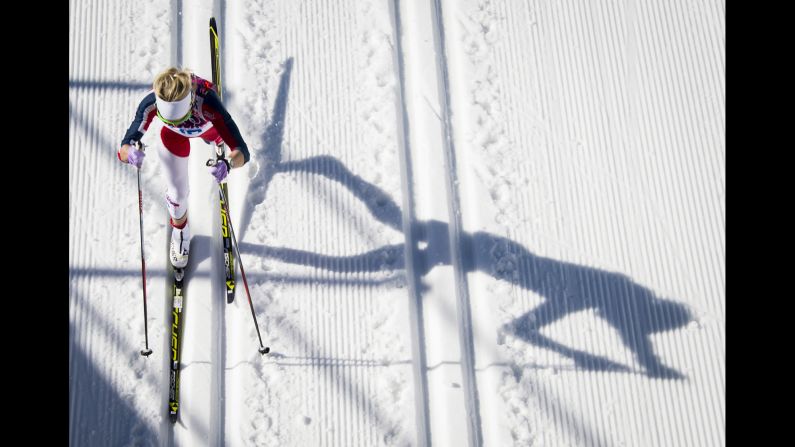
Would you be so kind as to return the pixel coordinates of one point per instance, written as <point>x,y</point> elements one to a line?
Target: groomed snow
<point>465,222</point>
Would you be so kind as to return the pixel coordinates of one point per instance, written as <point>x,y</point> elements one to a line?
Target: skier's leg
<point>642,346</point>
<point>528,325</point>
<point>174,159</point>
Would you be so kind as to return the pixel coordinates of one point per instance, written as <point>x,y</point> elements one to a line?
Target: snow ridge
<point>463,308</point>
<point>411,253</point>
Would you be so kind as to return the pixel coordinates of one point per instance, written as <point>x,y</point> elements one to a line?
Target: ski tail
<point>177,323</point>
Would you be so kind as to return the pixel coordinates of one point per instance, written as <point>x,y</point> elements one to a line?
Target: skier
<point>189,107</point>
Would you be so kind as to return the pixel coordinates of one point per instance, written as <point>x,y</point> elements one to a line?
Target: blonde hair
<point>172,84</point>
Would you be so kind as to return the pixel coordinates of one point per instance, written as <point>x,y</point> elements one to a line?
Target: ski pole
<point>144,352</point>
<point>263,349</point>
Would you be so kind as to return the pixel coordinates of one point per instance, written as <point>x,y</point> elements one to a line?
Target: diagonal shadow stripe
<point>114,421</point>
<point>107,85</point>
<point>103,142</point>
<point>270,157</point>
<point>100,323</point>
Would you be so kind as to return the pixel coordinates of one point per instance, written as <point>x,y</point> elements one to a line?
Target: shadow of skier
<point>632,309</point>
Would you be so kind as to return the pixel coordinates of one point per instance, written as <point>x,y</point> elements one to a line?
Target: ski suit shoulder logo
<point>203,86</point>
<point>198,123</point>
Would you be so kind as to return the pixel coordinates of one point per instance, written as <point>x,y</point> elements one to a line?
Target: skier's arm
<point>228,130</point>
<point>143,117</point>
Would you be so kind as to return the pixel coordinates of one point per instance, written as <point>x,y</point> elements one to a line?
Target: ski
<point>220,152</point>
<point>177,303</point>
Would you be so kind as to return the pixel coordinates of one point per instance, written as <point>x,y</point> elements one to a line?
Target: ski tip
<point>212,22</point>
<point>146,352</point>
<point>173,417</point>
<point>265,350</point>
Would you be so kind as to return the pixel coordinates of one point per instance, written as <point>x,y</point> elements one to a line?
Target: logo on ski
<point>175,334</point>
<point>224,228</point>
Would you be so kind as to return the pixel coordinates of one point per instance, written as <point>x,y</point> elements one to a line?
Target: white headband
<point>173,111</point>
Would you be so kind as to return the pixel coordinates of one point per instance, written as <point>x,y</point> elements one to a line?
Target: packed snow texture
<point>464,222</point>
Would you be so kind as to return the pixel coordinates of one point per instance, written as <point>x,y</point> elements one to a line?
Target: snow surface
<point>465,222</point>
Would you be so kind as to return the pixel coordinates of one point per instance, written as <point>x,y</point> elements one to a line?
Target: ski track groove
<point>625,114</point>
<point>566,119</point>
<point>684,110</point>
<point>580,81</point>
<point>316,350</point>
<point>672,142</point>
<point>80,321</point>
<point>627,68</point>
<point>618,80</point>
<point>341,408</point>
<point>711,224</point>
<point>418,346</point>
<point>535,27</point>
<point>603,137</point>
<point>503,65</point>
<point>463,303</point>
<point>653,130</point>
<point>680,219</point>
<point>606,141</point>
